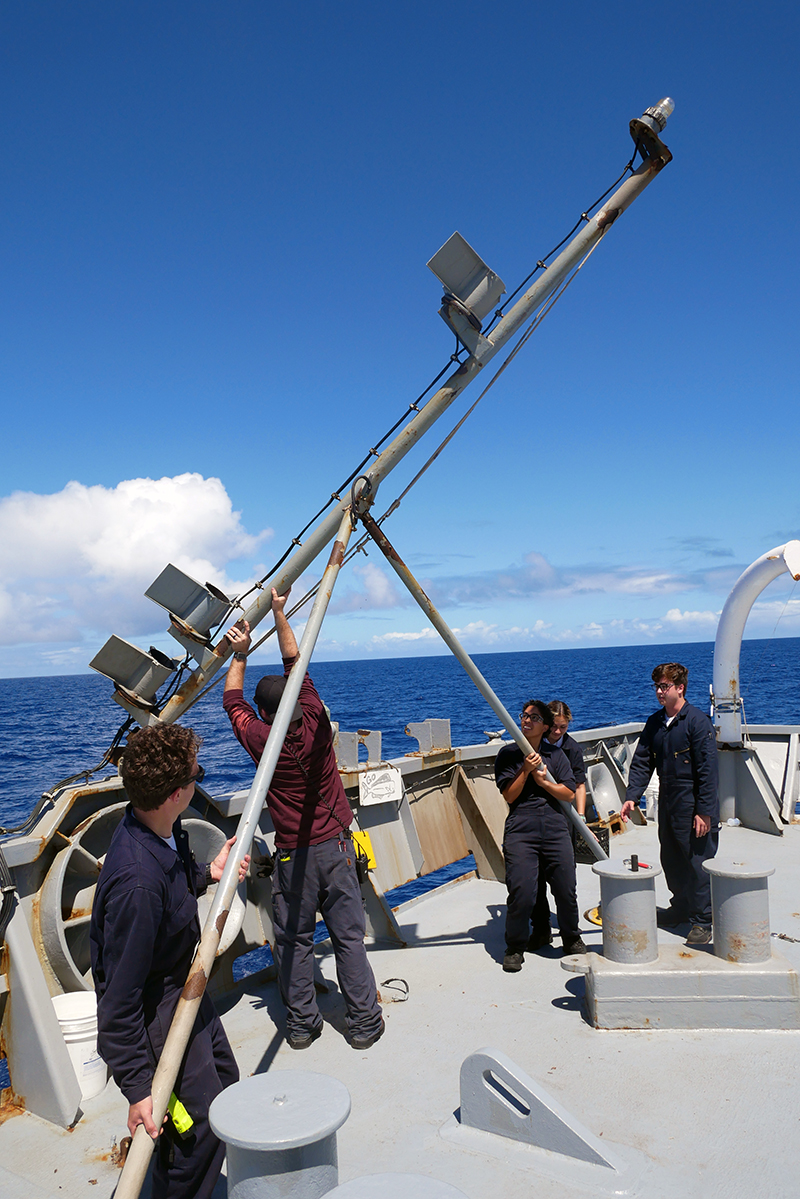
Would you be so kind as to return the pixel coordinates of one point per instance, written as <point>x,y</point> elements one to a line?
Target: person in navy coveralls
<point>537,835</point>
<point>680,744</point>
<point>143,935</point>
<point>557,735</point>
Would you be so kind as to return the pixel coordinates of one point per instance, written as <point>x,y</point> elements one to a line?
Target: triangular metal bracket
<point>498,1097</point>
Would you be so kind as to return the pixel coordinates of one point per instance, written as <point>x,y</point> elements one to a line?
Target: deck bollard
<point>280,1132</point>
<point>740,906</point>
<point>628,900</point>
<point>396,1186</point>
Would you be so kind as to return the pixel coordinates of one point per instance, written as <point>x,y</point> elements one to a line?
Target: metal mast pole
<point>456,648</point>
<point>135,1169</point>
<point>485,350</point>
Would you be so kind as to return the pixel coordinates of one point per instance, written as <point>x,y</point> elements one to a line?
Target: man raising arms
<point>315,867</point>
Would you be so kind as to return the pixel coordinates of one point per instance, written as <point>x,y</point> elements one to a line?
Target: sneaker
<point>699,934</point>
<point>360,1040</point>
<point>302,1040</point>
<point>512,962</point>
<point>572,945</point>
<point>669,918</point>
<point>538,940</point>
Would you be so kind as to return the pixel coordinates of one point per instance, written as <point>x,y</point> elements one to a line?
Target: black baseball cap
<point>269,692</point>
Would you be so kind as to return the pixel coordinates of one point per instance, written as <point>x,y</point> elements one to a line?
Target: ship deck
<point>697,1113</point>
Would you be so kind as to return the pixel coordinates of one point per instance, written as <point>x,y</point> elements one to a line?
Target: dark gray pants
<point>537,841</point>
<point>682,857</point>
<point>322,878</point>
<point>188,1169</point>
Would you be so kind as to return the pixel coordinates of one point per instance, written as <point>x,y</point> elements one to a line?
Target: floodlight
<point>195,608</point>
<point>136,674</point>
<point>466,277</point>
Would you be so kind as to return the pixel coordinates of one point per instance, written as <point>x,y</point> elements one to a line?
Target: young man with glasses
<point>680,744</point>
<point>537,835</point>
<point>143,935</point>
<point>315,862</point>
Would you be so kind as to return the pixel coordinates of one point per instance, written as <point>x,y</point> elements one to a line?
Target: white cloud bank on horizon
<point>675,625</point>
<point>79,561</point>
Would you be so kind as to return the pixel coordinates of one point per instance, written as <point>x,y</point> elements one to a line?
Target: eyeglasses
<point>662,686</point>
<point>197,777</point>
<point>533,717</point>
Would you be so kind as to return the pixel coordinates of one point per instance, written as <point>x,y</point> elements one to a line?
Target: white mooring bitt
<point>739,982</point>
<point>740,904</point>
<point>280,1132</point>
<point>628,902</point>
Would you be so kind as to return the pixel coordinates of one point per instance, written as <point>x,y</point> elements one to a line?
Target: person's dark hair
<point>156,761</point>
<point>673,671</point>
<point>559,708</point>
<point>543,710</point>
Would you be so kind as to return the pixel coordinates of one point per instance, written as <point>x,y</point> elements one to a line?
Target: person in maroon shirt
<point>315,861</point>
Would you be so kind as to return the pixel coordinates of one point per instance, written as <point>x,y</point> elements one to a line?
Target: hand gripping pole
<point>135,1169</point>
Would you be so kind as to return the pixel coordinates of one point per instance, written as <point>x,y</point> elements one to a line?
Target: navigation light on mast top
<point>645,130</point>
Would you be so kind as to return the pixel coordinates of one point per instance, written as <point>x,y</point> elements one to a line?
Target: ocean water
<point>51,728</point>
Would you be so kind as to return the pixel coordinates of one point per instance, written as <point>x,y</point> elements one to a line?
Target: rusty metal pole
<point>133,1174</point>
<point>455,646</point>
<point>550,279</point>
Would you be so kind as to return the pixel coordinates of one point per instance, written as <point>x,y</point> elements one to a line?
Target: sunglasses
<point>197,777</point>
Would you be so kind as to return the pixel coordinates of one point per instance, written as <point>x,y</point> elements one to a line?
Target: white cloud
<point>79,560</point>
<point>694,619</point>
<point>373,590</point>
<point>427,634</point>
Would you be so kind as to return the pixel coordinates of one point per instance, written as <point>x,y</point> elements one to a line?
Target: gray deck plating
<point>714,1113</point>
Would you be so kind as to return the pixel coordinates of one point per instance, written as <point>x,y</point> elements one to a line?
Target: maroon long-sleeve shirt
<point>306,784</point>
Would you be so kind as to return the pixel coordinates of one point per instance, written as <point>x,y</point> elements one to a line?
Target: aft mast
<point>471,290</point>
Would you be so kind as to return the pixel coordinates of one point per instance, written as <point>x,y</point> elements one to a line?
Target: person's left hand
<point>218,865</point>
<point>702,825</point>
<point>239,637</point>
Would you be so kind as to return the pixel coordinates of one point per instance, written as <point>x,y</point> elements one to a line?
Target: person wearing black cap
<point>315,861</point>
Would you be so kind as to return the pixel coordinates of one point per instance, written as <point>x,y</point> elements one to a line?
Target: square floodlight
<point>198,606</point>
<point>132,670</point>
<point>466,276</point>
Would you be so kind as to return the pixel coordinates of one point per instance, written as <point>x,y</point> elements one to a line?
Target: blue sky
<point>216,300</point>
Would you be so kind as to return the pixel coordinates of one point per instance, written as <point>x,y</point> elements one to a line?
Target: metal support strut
<point>456,648</point>
<point>135,1169</point>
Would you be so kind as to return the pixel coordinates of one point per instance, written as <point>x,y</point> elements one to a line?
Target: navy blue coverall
<point>685,757</point>
<point>537,836</point>
<point>540,916</point>
<point>143,935</point>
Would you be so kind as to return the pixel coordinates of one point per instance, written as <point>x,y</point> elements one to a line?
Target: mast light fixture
<point>646,130</point>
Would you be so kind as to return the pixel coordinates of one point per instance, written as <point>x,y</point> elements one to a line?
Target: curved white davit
<point>726,699</point>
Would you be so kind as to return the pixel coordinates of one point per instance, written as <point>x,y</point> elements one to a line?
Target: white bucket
<point>77,1015</point>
